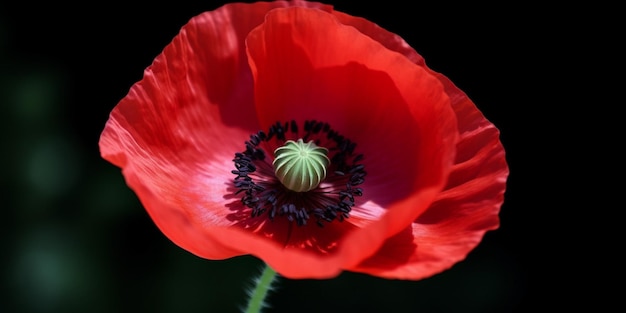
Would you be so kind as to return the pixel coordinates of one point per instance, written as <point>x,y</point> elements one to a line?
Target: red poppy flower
<point>415,174</point>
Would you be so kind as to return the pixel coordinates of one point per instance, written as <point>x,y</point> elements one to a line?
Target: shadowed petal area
<point>375,97</point>
<point>467,208</point>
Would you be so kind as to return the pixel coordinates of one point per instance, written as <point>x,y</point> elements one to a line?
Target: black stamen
<point>262,192</point>
<point>294,127</point>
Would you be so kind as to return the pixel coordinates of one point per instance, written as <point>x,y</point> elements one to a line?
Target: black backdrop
<point>75,238</point>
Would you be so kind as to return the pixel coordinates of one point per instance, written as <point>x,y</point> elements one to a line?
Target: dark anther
<point>284,209</point>
<point>280,133</point>
<point>356,181</point>
<point>317,127</point>
<point>343,145</point>
<point>294,127</point>
<point>239,173</point>
<point>357,168</point>
<point>261,135</point>
<point>251,167</point>
<point>331,134</point>
<point>339,139</point>
<point>255,140</point>
<point>346,194</point>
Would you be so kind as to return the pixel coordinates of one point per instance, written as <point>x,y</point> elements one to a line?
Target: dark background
<point>74,238</point>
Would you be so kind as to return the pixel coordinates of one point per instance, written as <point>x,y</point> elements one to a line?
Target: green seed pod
<point>300,166</point>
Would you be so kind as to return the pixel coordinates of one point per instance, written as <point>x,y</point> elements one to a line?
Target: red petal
<point>468,207</point>
<point>175,132</point>
<point>388,39</point>
<point>308,66</point>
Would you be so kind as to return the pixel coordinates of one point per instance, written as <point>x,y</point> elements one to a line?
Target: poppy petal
<point>467,208</point>
<point>401,257</point>
<point>386,38</point>
<point>370,94</point>
<point>164,133</point>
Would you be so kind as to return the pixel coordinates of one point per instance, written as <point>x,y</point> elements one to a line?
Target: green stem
<point>263,285</point>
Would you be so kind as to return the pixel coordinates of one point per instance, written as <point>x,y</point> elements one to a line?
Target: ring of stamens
<point>263,192</point>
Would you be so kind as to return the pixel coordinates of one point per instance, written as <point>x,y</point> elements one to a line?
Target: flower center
<point>299,166</point>
<point>314,173</point>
